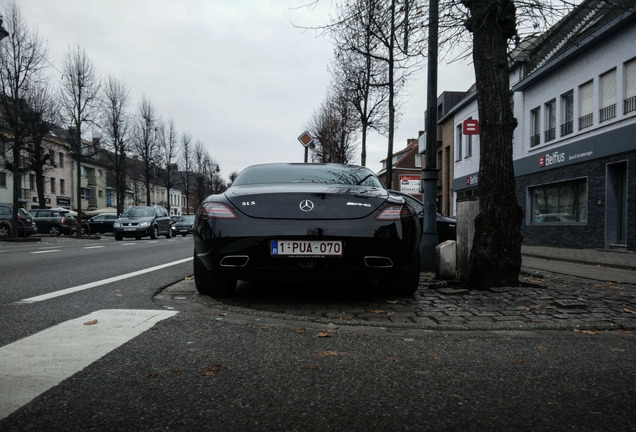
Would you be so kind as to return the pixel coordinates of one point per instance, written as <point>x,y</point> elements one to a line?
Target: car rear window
<point>307,173</point>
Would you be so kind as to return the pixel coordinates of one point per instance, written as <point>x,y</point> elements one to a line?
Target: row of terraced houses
<point>573,92</point>
<point>98,192</point>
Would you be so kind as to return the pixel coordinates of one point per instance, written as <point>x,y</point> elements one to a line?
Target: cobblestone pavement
<point>545,301</point>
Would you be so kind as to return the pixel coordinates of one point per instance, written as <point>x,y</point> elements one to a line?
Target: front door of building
<point>616,206</point>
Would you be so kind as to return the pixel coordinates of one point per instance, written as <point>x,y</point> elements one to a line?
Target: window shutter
<point>586,99</point>
<point>630,79</point>
<point>608,89</point>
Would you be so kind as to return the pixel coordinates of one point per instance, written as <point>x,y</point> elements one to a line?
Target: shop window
<point>561,203</point>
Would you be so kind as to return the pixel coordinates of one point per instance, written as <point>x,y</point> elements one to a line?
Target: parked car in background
<point>446,226</point>
<point>102,223</point>
<point>306,222</point>
<point>26,225</point>
<point>142,221</point>
<point>183,225</point>
<point>53,222</point>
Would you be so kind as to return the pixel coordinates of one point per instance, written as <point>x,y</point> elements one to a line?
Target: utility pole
<point>430,173</point>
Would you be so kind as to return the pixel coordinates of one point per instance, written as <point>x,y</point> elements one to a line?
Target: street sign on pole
<point>305,139</point>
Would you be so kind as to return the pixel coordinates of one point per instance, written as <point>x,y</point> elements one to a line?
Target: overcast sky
<point>235,74</point>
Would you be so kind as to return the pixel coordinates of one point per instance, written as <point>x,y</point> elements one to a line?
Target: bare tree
<point>201,159</point>
<point>333,127</point>
<point>115,122</point>
<point>79,98</point>
<point>168,149</point>
<point>22,60</point>
<point>390,38</point>
<point>186,166</point>
<point>40,119</point>
<point>145,142</point>
<point>362,78</point>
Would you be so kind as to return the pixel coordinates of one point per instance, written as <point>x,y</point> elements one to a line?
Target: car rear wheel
<point>4,230</point>
<point>169,234</point>
<point>209,283</point>
<point>55,231</point>
<point>408,281</point>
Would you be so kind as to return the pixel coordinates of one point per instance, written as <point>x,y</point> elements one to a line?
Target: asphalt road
<point>207,367</point>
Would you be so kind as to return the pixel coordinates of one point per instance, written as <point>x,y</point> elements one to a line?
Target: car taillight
<point>395,212</point>
<point>212,210</point>
<point>63,221</point>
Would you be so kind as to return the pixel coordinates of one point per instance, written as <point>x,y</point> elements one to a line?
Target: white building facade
<point>575,143</point>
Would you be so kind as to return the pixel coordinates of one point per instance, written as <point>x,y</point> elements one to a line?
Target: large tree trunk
<point>495,258</point>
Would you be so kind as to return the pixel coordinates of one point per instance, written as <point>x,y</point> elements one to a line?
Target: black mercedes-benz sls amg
<point>306,222</point>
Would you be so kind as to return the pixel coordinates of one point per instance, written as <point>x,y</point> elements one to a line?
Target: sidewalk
<point>595,264</point>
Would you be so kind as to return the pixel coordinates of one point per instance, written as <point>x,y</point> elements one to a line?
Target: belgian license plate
<point>130,229</point>
<point>307,247</point>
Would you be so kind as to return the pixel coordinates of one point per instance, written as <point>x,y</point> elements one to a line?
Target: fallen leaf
<point>346,318</point>
<point>324,334</point>
<point>588,332</point>
<point>541,347</point>
<point>629,311</point>
<point>436,356</point>
<point>177,369</point>
<point>223,314</point>
<point>377,311</point>
<point>392,359</point>
<point>518,361</point>
<point>212,370</point>
<point>299,330</point>
<point>189,277</point>
<point>90,322</point>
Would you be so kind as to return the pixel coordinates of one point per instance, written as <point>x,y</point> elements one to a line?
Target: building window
<point>458,143</point>
<point>52,157</point>
<point>608,96</point>
<point>31,182</point>
<point>535,130</point>
<point>567,113</point>
<point>86,194</point>
<point>563,202</point>
<point>586,105</point>
<point>62,186</point>
<point>550,121</point>
<point>629,104</point>
<point>469,143</point>
<point>3,180</point>
<point>60,158</point>
<point>52,181</point>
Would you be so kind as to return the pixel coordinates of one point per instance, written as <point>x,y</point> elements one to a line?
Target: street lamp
<point>429,169</point>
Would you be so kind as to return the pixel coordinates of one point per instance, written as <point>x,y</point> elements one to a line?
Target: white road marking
<point>97,283</point>
<point>46,251</point>
<point>93,247</point>
<point>35,364</point>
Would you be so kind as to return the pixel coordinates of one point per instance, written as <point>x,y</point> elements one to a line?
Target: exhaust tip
<point>234,261</point>
<point>378,262</point>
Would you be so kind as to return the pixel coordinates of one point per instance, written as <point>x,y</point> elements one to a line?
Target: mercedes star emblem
<point>306,205</point>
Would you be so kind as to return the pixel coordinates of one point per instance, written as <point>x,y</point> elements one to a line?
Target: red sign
<point>470,127</point>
